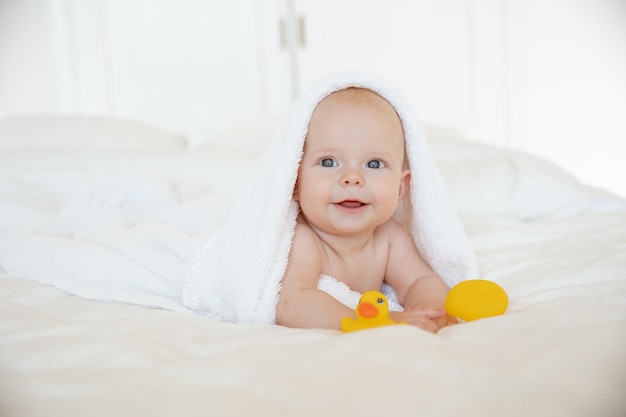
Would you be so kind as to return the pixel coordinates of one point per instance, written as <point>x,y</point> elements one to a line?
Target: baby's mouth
<point>351,204</point>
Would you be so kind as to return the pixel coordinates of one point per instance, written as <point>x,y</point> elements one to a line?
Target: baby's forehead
<point>354,103</point>
<point>357,95</point>
<point>333,105</point>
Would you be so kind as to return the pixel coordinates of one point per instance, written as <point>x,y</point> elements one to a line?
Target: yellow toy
<point>372,311</point>
<point>476,299</point>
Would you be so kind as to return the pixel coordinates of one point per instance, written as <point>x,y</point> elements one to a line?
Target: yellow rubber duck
<point>476,299</point>
<point>372,311</point>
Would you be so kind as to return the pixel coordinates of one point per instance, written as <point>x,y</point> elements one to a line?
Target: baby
<point>350,181</point>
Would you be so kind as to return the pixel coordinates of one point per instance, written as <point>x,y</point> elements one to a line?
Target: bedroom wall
<point>573,63</point>
<point>192,66</point>
<point>544,76</point>
<point>28,77</point>
<point>437,52</point>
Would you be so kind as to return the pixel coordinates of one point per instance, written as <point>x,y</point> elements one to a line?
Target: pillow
<point>251,137</point>
<point>450,144</point>
<point>47,131</point>
<point>512,185</point>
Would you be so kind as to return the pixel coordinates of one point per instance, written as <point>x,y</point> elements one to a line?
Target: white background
<point>544,76</point>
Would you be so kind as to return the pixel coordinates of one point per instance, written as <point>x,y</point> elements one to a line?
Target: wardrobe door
<point>196,66</point>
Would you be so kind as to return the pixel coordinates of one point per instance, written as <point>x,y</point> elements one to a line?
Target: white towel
<point>234,274</point>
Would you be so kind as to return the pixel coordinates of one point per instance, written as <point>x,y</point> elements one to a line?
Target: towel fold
<point>234,273</point>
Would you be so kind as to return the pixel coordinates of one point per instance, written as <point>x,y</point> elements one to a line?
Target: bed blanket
<point>232,271</point>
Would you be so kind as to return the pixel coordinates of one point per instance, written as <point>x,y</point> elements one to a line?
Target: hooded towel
<point>236,274</point>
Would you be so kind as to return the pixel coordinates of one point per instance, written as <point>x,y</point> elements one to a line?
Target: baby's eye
<point>375,164</point>
<point>328,162</point>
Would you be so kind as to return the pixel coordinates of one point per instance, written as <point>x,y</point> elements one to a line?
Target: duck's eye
<point>328,163</point>
<point>380,301</point>
<point>375,164</point>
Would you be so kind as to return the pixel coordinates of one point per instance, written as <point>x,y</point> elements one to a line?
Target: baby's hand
<point>446,320</point>
<point>428,319</point>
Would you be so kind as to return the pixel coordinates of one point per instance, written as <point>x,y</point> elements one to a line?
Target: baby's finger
<point>425,324</point>
<point>446,321</point>
<point>431,313</point>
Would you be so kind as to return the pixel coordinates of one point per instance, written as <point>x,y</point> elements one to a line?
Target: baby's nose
<point>352,178</point>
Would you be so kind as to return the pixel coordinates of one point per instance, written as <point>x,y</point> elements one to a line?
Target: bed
<point>556,246</point>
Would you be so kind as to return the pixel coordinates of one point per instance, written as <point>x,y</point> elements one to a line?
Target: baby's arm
<point>301,304</point>
<point>429,292</point>
<point>419,288</point>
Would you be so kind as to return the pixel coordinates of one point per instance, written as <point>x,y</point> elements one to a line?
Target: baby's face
<point>351,175</point>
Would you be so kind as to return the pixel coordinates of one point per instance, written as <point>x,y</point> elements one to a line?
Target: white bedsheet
<point>559,351</point>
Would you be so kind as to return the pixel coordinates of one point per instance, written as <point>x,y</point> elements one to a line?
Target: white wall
<point>546,76</point>
<point>193,66</point>
<point>448,56</point>
<point>28,77</point>
<point>574,86</point>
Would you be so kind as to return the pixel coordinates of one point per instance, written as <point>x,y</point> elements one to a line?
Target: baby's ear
<point>405,182</point>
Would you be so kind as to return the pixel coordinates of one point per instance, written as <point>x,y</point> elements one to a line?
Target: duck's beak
<point>367,310</point>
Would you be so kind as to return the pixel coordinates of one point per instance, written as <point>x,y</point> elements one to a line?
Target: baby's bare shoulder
<point>303,231</point>
<point>304,265</point>
<point>305,240</point>
<point>391,229</point>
